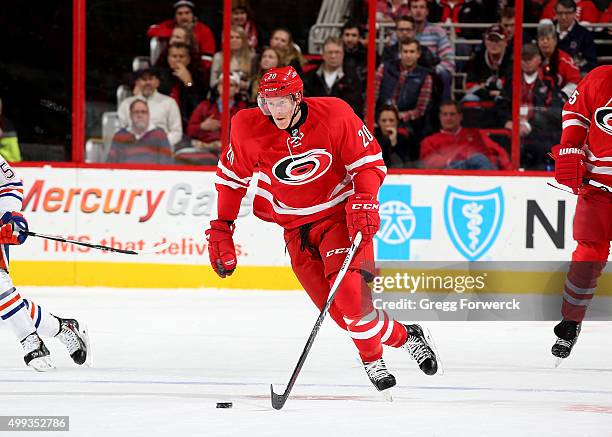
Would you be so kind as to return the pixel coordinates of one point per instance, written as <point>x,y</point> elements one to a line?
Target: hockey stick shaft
<point>91,245</point>
<point>279,400</point>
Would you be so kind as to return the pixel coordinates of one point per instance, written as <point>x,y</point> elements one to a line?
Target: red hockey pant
<point>593,232</point>
<point>317,252</point>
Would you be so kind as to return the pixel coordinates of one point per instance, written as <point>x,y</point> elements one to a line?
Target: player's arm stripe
<point>227,183</point>
<point>382,168</point>
<point>585,119</point>
<point>574,122</point>
<point>226,171</point>
<point>599,170</point>
<point>364,160</point>
<point>227,178</point>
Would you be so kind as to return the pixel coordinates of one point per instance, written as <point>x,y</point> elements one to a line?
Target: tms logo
<point>400,223</point>
<point>473,219</point>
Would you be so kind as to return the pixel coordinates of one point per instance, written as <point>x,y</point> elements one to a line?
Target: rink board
<point>424,218</point>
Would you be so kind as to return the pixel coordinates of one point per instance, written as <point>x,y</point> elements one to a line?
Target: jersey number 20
<point>365,135</point>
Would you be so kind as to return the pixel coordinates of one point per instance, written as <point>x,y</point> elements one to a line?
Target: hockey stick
<point>596,184</point>
<point>279,400</point>
<point>154,249</point>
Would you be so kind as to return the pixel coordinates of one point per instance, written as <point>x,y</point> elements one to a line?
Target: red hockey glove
<point>362,215</point>
<point>569,165</point>
<point>11,226</point>
<point>221,248</point>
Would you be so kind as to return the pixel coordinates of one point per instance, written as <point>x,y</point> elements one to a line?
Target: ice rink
<point>162,359</point>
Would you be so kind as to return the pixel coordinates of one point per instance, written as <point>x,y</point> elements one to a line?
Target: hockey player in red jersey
<point>318,172</point>
<point>585,151</point>
<point>25,318</point>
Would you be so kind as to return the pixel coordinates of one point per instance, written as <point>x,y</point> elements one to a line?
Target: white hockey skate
<point>75,337</point>
<point>36,353</point>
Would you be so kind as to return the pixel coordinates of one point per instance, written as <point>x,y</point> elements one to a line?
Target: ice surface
<point>164,358</point>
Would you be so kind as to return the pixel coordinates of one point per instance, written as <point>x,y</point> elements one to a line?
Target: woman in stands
<point>241,60</point>
<point>282,40</point>
<point>269,58</point>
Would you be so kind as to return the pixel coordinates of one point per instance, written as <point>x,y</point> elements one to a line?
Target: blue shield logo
<point>473,219</point>
<point>400,223</point>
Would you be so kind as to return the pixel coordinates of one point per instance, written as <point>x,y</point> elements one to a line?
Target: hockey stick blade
<point>279,400</point>
<point>154,249</point>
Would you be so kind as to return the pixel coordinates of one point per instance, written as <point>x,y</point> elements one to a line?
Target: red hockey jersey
<point>302,176</point>
<point>587,121</point>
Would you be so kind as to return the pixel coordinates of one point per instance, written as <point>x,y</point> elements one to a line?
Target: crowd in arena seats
<point>436,100</point>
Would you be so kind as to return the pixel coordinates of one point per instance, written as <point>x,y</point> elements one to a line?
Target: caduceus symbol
<point>471,211</point>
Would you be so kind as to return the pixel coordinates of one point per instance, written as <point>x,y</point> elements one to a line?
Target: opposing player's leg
<point>592,230</point>
<point>68,331</point>
<point>13,312</point>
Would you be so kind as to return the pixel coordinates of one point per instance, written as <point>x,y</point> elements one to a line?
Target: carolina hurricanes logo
<point>303,168</point>
<point>603,118</point>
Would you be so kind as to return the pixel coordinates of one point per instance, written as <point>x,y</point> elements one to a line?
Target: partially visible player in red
<point>585,151</point>
<point>319,170</point>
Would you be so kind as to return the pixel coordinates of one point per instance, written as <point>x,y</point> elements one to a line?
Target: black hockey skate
<point>76,340</point>
<point>36,353</point>
<point>567,333</point>
<point>379,375</point>
<point>421,349</point>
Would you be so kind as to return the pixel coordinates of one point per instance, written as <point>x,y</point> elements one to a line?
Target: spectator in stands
<point>406,85</point>
<point>332,80</point>
<point>488,69</point>
<point>575,39</point>
<point>541,103</point>
<point>9,144</point>
<point>184,15</point>
<point>243,16</point>
<point>141,141</point>
<point>460,11</point>
<point>282,41</point>
<point>405,27</point>
<point>269,58</point>
<point>555,62</point>
<point>185,35</point>
<point>355,54</point>
<point>181,79</point>
<point>391,10</point>
<point>586,11</point>
<point>205,122</point>
<point>397,149</point>
<point>240,62</point>
<point>163,110</point>
<point>435,39</point>
<point>462,148</point>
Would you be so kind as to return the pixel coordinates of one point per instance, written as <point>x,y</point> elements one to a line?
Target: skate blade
<point>432,345</point>
<point>387,395</point>
<point>558,361</point>
<point>41,364</point>
<point>85,334</point>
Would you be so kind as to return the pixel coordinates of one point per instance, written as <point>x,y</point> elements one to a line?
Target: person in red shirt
<point>461,148</point>
<point>318,172</point>
<point>184,15</point>
<point>556,63</point>
<point>585,152</point>
<point>586,11</point>
<point>205,122</point>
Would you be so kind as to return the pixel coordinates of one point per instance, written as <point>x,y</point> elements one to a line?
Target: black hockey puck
<point>224,405</point>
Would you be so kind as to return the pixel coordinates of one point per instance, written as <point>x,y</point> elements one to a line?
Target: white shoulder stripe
<point>586,120</point>
<point>226,171</point>
<point>230,184</point>
<point>574,122</point>
<point>364,160</point>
